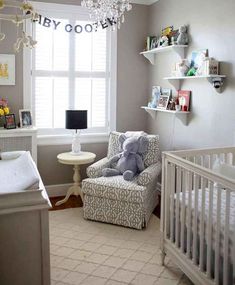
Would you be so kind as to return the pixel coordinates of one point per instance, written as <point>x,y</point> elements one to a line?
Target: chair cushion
<point>152,155</point>
<point>115,188</point>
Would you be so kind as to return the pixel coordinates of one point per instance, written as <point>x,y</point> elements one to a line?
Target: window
<point>71,69</point>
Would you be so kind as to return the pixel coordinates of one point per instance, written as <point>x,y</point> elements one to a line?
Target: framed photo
<point>10,122</point>
<point>166,92</point>
<point>156,92</point>
<point>163,102</point>
<point>25,118</point>
<point>7,69</point>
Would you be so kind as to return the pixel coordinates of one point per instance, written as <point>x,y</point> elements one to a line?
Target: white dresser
<point>19,139</point>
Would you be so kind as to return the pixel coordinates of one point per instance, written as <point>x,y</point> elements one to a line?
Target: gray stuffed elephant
<point>129,160</point>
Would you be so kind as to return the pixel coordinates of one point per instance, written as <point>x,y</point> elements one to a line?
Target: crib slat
<point>167,200</point>
<point>189,215</point>
<point>226,236</point>
<point>217,237</point>
<point>182,233</point>
<point>209,229</point>
<point>210,159</point>
<point>172,191</point>
<point>196,186</point>
<point>178,190</point>
<point>202,223</point>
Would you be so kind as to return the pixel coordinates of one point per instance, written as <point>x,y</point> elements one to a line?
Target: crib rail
<point>196,212</point>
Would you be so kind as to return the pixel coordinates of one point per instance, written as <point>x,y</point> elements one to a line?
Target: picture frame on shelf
<point>7,69</point>
<point>25,118</point>
<point>156,93</point>
<point>163,102</point>
<point>184,99</point>
<point>10,122</point>
<point>166,92</point>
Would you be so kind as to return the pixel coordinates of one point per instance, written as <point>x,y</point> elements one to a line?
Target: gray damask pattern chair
<point>114,200</point>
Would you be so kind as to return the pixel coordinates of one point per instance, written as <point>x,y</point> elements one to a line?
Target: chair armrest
<point>149,174</point>
<point>95,170</point>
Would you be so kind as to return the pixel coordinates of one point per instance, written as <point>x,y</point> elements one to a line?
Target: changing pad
<point>18,174</point>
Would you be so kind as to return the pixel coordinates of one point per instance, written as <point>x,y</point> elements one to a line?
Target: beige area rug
<point>86,252</point>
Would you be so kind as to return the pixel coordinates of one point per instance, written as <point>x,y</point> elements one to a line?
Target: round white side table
<point>76,161</point>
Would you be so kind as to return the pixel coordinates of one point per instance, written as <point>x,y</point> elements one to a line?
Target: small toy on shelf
<point>183,38</point>
<point>192,71</point>
<point>164,41</point>
<point>182,67</point>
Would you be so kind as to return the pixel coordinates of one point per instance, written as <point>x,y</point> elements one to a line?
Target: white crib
<point>198,215</point>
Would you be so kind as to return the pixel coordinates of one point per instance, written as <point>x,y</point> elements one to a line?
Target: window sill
<point>67,139</point>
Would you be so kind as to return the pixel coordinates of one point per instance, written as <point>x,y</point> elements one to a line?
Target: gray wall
<point>132,78</point>
<point>211,25</point>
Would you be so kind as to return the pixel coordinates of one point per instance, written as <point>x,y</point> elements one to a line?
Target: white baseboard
<point>57,190</point>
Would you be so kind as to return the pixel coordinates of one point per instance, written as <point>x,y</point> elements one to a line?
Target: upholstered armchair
<point>114,200</point>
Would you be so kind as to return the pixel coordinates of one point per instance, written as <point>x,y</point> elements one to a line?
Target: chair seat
<point>115,188</point>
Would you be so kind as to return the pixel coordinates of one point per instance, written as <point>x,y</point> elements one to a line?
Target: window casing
<point>70,71</point>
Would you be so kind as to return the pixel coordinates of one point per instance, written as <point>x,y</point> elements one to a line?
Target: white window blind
<point>71,71</point>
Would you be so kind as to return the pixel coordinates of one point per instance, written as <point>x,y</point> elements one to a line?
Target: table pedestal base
<point>75,189</point>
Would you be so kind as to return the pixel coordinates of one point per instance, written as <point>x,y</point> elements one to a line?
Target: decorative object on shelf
<point>164,41</point>
<point>76,120</point>
<point>7,69</point>
<point>197,61</point>
<point>177,104</point>
<point>173,36</point>
<point>184,99</point>
<point>112,9</point>
<point>4,109</point>
<point>156,93</point>
<point>23,11</point>
<point>163,102</point>
<point>149,41</point>
<point>10,122</point>
<point>166,92</point>
<point>183,38</point>
<point>181,68</point>
<point>154,43</point>
<point>210,66</point>
<point>166,31</point>
<point>192,71</point>
<point>25,118</point>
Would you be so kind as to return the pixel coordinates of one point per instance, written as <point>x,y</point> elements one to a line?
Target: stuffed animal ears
<point>121,139</point>
<point>143,144</point>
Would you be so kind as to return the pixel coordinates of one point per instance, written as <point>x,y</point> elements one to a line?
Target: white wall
<point>212,121</point>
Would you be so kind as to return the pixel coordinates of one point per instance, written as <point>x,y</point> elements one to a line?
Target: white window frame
<point>65,137</point>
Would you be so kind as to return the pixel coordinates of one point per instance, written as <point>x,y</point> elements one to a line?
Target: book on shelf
<point>184,99</point>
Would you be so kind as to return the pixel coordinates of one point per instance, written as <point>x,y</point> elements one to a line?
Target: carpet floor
<point>85,252</point>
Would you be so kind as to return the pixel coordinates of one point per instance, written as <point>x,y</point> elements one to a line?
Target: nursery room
<point>117,142</point>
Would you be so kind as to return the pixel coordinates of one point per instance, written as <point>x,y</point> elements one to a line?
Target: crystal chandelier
<point>100,10</point>
<point>21,12</point>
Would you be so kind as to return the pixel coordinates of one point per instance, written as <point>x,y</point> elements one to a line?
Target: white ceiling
<point>145,2</point>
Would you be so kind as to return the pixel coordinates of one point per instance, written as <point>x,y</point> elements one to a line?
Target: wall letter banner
<point>68,28</point>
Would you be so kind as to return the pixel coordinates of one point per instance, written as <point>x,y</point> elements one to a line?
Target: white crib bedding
<point>214,221</point>
<point>231,244</point>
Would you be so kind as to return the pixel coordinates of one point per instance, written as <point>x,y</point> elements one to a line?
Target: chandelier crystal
<point>100,10</point>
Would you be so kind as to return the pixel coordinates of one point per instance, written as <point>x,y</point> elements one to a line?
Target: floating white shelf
<point>150,54</point>
<point>179,114</point>
<point>175,81</point>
